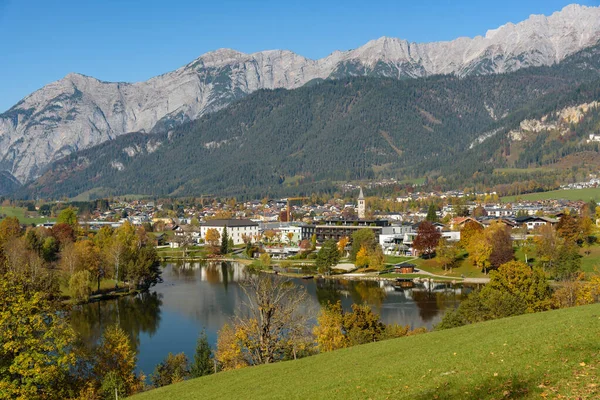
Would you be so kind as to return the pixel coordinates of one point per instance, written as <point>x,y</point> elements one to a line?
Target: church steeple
<point>361,205</point>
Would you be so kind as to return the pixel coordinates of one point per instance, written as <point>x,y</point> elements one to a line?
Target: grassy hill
<point>586,194</point>
<point>552,353</point>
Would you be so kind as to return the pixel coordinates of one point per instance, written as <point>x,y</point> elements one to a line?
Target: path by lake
<point>197,296</point>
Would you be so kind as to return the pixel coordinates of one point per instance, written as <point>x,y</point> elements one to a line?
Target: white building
<point>236,228</point>
<point>295,230</point>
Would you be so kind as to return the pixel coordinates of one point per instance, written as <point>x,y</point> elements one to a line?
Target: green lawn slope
<point>551,354</point>
<point>586,194</point>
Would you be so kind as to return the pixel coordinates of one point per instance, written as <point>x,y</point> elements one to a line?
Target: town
<point>295,229</point>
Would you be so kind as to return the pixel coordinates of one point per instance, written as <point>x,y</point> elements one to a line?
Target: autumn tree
<point>270,235</point>
<point>174,368</point>
<point>362,238</point>
<point>513,289</point>
<point>328,332</point>
<point>342,243</point>
<point>427,238</point>
<point>446,253</point>
<point>491,248</point>
<point>212,237</point>
<point>569,228</point>
<point>362,258</point>
<point>480,250</point>
<point>79,285</point>
<point>337,328</point>
<point>63,233</point>
<point>116,360</point>
<point>9,228</point>
<point>577,291</point>
<point>274,324</point>
<point>470,229</point>
<point>290,237</point>
<point>377,258</point>
<point>557,255</point>
<point>498,235</point>
<point>229,353</point>
<point>35,355</point>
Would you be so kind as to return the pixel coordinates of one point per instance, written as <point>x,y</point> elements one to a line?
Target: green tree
<point>432,213</point>
<point>203,357</point>
<point>568,263</point>
<point>68,216</point>
<point>224,241</point>
<point>328,256</point>
<point>143,268</point>
<point>362,238</point>
<point>49,249</point>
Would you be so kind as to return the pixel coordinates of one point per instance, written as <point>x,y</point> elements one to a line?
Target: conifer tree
<point>224,241</point>
<point>203,358</point>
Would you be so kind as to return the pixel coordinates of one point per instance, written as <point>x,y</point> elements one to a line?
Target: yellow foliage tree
<point>212,237</point>
<point>362,257</point>
<point>342,245</point>
<point>35,338</point>
<point>328,331</point>
<point>229,353</point>
<point>116,356</point>
<point>480,251</point>
<point>376,258</point>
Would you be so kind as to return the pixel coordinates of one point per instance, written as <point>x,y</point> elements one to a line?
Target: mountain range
<point>79,112</point>
<point>480,130</point>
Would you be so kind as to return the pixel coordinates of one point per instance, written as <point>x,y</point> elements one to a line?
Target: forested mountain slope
<point>280,141</point>
<point>78,112</point>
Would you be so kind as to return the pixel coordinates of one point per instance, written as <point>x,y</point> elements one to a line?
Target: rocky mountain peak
<point>78,111</point>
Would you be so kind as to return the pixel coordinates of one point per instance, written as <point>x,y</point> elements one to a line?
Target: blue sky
<point>126,40</point>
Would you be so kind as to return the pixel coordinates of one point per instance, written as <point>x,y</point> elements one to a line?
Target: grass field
<point>590,263</point>
<point>20,213</point>
<point>543,355</point>
<point>463,267</point>
<point>396,259</point>
<point>574,194</point>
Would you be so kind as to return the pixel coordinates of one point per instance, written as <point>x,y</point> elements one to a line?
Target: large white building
<point>236,228</point>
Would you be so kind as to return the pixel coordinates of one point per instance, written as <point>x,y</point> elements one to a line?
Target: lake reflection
<point>197,296</point>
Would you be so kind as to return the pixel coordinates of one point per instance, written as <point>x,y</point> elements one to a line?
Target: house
<point>237,229</point>
<point>459,222</point>
<point>532,222</point>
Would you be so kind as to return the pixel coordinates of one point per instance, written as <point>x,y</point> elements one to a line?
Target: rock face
<point>78,112</point>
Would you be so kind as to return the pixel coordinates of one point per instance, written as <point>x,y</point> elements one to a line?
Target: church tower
<point>361,205</point>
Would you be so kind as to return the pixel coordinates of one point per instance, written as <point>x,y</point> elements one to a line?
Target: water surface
<point>205,296</point>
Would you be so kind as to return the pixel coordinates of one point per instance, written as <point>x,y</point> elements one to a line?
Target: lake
<point>205,296</point>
